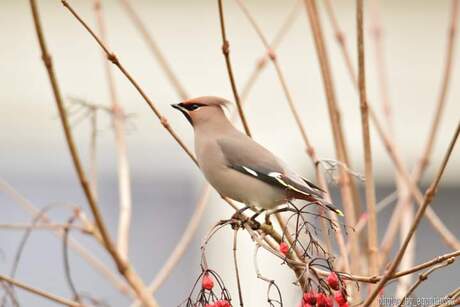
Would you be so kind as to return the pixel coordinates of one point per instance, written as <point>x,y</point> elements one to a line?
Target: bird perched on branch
<point>238,167</point>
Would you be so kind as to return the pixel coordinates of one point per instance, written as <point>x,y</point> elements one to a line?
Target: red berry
<point>343,305</point>
<point>284,248</point>
<point>340,298</point>
<point>333,281</point>
<point>323,301</point>
<point>310,298</point>
<point>209,305</point>
<point>207,282</point>
<point>222,303</point>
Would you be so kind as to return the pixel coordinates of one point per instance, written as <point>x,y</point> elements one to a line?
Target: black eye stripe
<point>192,106</point>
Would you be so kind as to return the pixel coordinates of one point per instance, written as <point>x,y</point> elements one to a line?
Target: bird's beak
<point>184,111</point>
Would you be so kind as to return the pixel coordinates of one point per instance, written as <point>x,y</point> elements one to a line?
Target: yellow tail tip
<point>334,209</point>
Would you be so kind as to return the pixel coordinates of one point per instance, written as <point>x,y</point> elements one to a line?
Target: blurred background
<point>34,158</point>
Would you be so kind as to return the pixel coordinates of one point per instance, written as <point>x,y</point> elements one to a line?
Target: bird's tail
<point>319,201</point>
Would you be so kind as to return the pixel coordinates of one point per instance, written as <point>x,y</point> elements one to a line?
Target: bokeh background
<point>34,158</point>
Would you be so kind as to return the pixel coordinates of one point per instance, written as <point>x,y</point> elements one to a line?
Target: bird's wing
<point>248,157</point>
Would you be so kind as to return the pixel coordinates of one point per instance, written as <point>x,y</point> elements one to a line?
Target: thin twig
<point>370,185</point>
<point>93,154</point>
<point>235,262</point>
<point>47,295</point>
<point>424,276</point>
<point>43,226</point>
<point>124,268</point>
<point>429,195</point>
<point>408,259</point>
<point>226,52</point>
<point>340,38</point>
<point>124,183</point>
<point>65,252</point>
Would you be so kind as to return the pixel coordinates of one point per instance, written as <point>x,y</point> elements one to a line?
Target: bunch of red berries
<point>209,291</point>
<point>321,299</point>
<point>207,283</point>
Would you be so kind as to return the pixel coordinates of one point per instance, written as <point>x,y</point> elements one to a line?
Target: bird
<point>240,168</point>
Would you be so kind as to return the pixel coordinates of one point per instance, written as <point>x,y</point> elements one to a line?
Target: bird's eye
<point>192,106</point>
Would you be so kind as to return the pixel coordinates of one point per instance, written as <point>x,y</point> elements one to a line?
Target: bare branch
<point>226,52</point>
<point>124,183</point>
<point>370,185</point>
<point>47,295</point>
<point>235,262</point>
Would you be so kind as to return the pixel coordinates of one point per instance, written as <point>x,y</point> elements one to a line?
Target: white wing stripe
<point>250,171</point>
<point>277,176</point>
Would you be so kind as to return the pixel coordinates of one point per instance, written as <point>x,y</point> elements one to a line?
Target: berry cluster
<point>321,299</point>
<point>212,292</point>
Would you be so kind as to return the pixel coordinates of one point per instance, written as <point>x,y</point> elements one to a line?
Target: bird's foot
<point>267,219</point>
<point>239,212</point>
<point>269,213</point>
<point>254,223</point>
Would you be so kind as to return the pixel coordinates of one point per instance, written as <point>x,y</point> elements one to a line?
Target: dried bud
<point>284,248</point>
<point>207,282</point>
<point>310,298</point>
<point>333,281</point>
